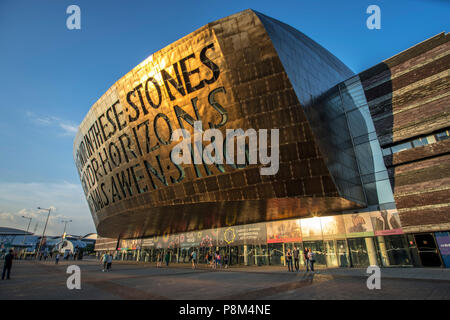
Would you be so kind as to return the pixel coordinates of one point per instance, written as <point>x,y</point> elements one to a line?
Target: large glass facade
<point>340,241</point>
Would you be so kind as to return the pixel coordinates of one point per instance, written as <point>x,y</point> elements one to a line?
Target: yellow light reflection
<point>311,227</point>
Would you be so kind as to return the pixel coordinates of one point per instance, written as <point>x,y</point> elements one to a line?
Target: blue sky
<point>50,76</point>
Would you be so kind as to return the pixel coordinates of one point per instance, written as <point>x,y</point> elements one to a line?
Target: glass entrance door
<point>358,252</point>
<point>261,254</point>
<point>428,251</point>
<point>276,254</point>
<point>331,253</point>
<point>342,253</point>
<point>234,255</point>
<point>319,251</point>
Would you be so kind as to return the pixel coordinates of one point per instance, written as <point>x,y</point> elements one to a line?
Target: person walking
<point>210,260</point>
<point>7,265</point>
<point>296,255</point>
<point>225,260</point>
<point>105,261</point>
<point>194,259</point>
<point>167,258</point>
<point>311,259</point>
<point>219,260</point>
<point>215,260</point>
<point>305,257</point>
<point>57,258</point>
<point>289,260</point>
<point>109,262</point>
<point>158,260</point>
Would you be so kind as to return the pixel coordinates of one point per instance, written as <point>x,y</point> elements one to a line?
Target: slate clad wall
<point>409,97</point>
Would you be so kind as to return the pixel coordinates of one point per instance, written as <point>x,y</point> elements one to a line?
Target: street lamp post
<point>45,227</point>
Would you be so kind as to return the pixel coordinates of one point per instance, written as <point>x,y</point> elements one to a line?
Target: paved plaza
<point>45,280</point>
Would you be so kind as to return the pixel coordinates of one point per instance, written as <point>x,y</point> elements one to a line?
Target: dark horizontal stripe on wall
<point>423,199</point>
<point>417,176</point>
<point>408,78</point>
<point>425,217</point>
<point>400,102</point>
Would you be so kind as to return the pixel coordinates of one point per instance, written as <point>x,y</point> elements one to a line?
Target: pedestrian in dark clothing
<point>7,265</point>
<point>167,258</point>
<point>289,260</point>
<point>296,258</point>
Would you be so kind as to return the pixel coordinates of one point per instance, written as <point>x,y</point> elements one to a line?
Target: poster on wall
<point>189,239</point>
<point>311,229</point>
<point>333,226</point>
<point>228,237</point>
<point>240,235</point>
<point>358,224</point>
<point>129,244</point>
<point>148,242</point>
<point>208,238</point>
<point>102,244</point>
<point>386,222</point>
<point>284,231</point>
<point>443,241</point>
<point>163,241</point>
<point>174,241</point>
<point>155,242</point>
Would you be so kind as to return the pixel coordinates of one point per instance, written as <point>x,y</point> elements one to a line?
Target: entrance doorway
<point>342,253</point>
<point>330,253</point>
<point>319,251</point>
<point>428,251</point>
<point>358,252</point>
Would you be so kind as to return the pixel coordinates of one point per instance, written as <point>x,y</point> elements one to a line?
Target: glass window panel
<point>443,135</point>
<point>420,142</point>
<point>384,191</point>
<point>387,151</point>
<point>401,147</point>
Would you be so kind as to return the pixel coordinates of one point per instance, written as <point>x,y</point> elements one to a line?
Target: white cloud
<point>68,127</point>
<point>65,199</point>
<point>6,216</point>
<point>70,130</point>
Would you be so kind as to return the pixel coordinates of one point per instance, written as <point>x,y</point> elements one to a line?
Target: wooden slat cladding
<point>397,83</point>
<point>432,216</point>
<point>409,97</point>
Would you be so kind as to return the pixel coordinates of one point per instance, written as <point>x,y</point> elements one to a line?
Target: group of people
<point>215,260</point>
<point>160,257</point>
<point>77,255</point>
<point>107,261</point>
<point>9,257</point>
<point>293,259</point>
